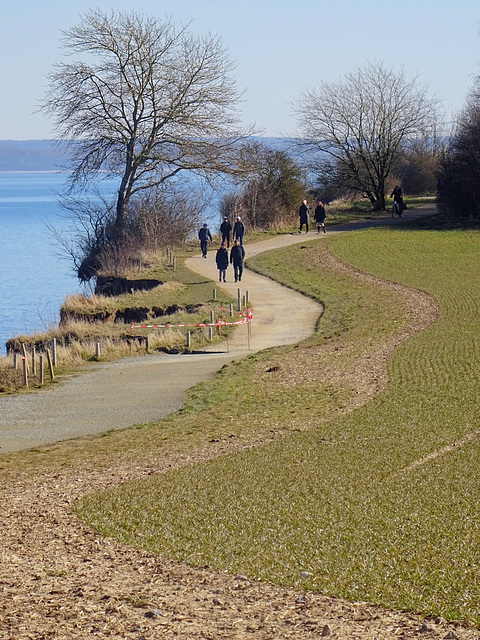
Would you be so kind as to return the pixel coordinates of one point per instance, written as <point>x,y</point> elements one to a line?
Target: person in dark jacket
<point>204,235</point>
<point>397,196</point>
<point>239,230</point>
<point>320,216</point>
<point>304,215</point>
<point>237,256</point>
<point>226,230</point>
<point>222,262</point>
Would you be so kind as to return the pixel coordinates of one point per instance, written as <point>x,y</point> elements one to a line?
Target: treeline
<point>459,176</point>
<point>31,155</point>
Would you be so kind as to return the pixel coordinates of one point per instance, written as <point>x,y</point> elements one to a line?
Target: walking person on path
<point>226,230</point>
<point>304,215</point>
<point>222,262</point>
<point>204,235</point>
<point>239,230</point>
<point>237,256</point>
<point>320,216</point>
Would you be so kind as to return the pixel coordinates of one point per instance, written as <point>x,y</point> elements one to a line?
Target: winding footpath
<point>145,388</point>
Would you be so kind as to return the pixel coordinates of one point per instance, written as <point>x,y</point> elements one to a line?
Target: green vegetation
<point>335,493</point>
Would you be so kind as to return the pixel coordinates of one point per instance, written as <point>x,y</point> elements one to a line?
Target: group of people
<point>237,253</point>
<point>319,216</point>
<point>222,258</point>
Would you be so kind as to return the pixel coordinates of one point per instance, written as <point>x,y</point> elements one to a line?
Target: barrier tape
<point>248,317</point>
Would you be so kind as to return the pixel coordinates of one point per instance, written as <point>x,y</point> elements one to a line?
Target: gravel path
<point>142,389</point>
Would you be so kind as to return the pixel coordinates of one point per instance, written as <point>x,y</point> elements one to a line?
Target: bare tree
<point>363,122</point>
<point>145,102</point>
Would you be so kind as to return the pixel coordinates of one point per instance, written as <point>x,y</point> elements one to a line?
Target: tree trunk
<point>379,202</point>
<point>121,211</point>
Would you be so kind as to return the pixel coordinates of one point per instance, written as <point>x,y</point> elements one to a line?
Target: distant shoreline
<point>35,171</point>
<point>49,156</point>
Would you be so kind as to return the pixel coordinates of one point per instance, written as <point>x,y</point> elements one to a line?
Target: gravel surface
<point>141,389</point>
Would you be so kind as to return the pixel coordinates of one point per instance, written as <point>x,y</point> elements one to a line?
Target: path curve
<point>146,388</point>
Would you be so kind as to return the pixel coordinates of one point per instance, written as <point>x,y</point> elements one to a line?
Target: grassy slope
<point>333,497</point>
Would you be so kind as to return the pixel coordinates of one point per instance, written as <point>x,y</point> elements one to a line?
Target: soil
<point>59,579</point>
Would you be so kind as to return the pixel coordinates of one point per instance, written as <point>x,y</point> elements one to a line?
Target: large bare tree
<point>143,102</point>
<point>363,121</point>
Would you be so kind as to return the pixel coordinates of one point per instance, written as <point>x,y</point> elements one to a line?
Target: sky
<point>281,48</point>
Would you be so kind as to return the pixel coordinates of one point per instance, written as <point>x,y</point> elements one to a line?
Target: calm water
<point>34,278</point>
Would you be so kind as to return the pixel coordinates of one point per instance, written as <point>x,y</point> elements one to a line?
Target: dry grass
<point>96,319</point>
<point>81,304</point>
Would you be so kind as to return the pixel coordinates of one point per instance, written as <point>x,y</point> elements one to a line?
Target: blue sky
<point>280,47</point>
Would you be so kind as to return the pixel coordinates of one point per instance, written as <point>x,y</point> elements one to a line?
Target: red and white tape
<point>247,317</point>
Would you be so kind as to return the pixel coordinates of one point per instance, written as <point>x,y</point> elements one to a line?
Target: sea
<point>35,273</point>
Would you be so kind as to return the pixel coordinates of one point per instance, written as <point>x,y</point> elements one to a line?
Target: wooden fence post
<point>25,372</point>
<point>50,365</point>
<point>25,366</point>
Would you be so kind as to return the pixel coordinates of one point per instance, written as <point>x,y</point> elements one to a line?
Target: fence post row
<point>33,359</point>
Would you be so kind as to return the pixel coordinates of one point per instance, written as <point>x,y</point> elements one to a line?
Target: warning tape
<point>247,317</point>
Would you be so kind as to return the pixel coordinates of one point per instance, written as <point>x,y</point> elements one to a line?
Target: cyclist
<point>397,196</point>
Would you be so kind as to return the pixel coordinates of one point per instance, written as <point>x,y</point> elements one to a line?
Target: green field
<point>334,493</point>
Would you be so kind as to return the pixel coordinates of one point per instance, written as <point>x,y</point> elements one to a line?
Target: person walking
<point>320,216</point>
<point>237,256</point>
<point>222,262</point>
<point>239,230</point>
<point>204,235</point>
<point>226,230</point>
<point>304,215</point>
